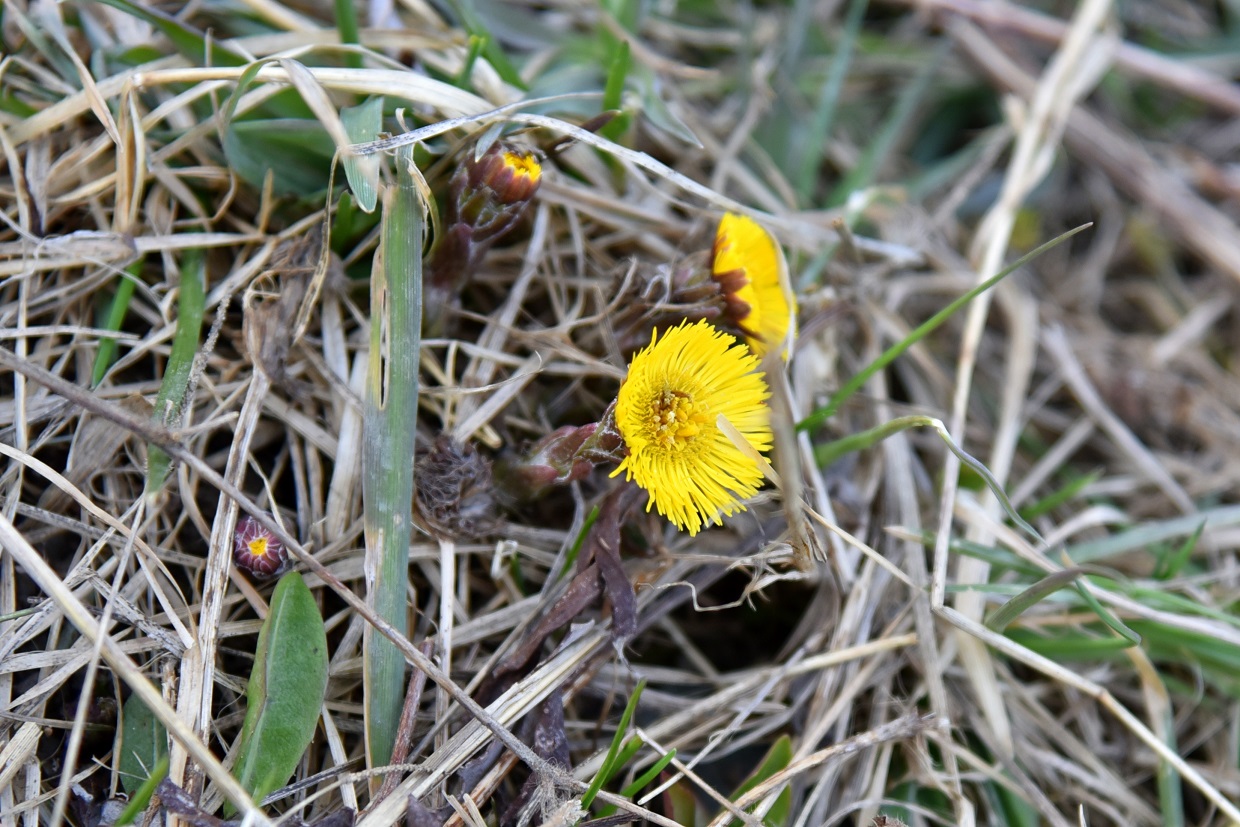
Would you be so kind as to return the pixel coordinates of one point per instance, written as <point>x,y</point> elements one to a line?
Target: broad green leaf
<point>297,152</point>
<point>362,123</point>
<point>286,690</point>
<point>143,742</point>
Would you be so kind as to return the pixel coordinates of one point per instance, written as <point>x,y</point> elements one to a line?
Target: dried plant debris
<point>674,312</point>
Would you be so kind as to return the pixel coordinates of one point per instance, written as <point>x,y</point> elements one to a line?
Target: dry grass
<point>1097,384</point>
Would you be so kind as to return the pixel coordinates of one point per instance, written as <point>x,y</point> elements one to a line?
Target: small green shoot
<point>613,762</point>
<point>115,317</point>
<point>1169,565</point>
<point>477,45</point>
<point>140,798</point>
<point>813,140</point>
<point>1060,496</point>
<point>581,538</point>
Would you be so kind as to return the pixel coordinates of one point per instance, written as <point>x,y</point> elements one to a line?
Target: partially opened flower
<point>668,411</point>
<point>257,551</point>
<point>747,266</point>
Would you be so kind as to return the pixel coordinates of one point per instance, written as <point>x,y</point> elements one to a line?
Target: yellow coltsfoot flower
<point>749,269</point>
<point>667,411</point>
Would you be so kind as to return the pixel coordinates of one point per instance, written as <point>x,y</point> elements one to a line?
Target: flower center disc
<point>258,546</point>
<point>676,419</point>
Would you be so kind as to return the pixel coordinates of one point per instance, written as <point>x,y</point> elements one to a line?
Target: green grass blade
<point>115,317</point>
<point>389,419</point>
<point>188,41</point>
<point>831,451</point>
<point>911,96</point>
<point>1061,496</point>
<point>190,306</point>
<point>814,139</point>
<point>1154,531</point>
<point>1169,565</point>
<point>472,24</point>
<point>581,538</point>
<point>616,75</point>
<point>611,762</point>
<point>926,328</point>
<point>346,24</point>
<point>477,45</point>
<point>777,758</point>
<point>1003,616</point>
<point>141,797</point>
<point>648,776</point>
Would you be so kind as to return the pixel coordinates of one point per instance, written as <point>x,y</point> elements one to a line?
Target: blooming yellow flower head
<point>667,411</point>
<point>747,267</point>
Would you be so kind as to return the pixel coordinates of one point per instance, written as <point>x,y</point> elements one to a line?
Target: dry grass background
<point>1097,384</point>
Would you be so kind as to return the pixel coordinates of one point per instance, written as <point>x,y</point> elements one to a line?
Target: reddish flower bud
<point>490,193</point>
<point>257,551</point>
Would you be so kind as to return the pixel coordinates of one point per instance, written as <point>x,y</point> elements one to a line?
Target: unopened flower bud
<point>490,193</point>
<point>566,455</point>
<point>257,551</point>
<point>487,196</point>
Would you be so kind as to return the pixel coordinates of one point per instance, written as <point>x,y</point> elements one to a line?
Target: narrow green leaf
<point>1030,597</point>
<point>286,689</point>
<point>298,152</point>
<point>648,776</point>
<point>1169,565</point>
<point>892,353</point>
<point>190,306</point>
<point>477,44</point>
<point>581,538</point>
<point>911,97</point>
<point>610,763</point>
<point>813,139</point>
<point>140,798</point>
<point>188,41</point>
<point>144,741</point>
<point>616,74</point>
<point>346,24</point>
<point>1058,498</point>
<point>115,317</point>
<point>362,123</point>
<point>776,759</point>
<point>389,415</point>
<point>855,442</point>
<point>1154,531</point>
<point>472,23</point>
